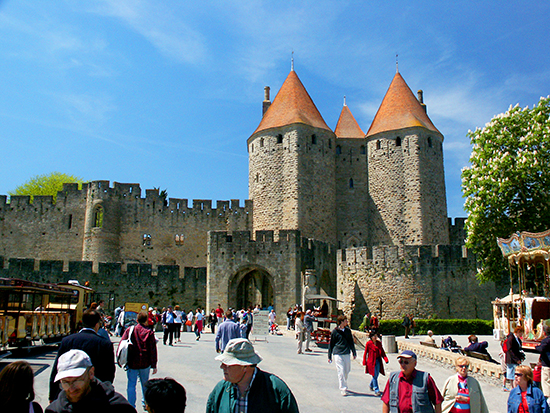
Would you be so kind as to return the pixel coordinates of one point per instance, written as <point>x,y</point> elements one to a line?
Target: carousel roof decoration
<point>525,251</point>
<point>526,247</point>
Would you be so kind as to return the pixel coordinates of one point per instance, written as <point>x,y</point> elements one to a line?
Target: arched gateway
<point>243,271</point>
<point>249,286</point>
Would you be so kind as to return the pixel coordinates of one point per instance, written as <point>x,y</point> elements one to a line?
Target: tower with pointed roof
<point>291,166</point>
<point>353,202</point>
<point>405,172</point>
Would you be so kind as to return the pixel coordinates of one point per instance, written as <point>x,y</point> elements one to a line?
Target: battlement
<point>266,241</point>
<point>204,206</point>
<point>457,231</point>
<point>413,254</point>
<point>23,267</point>
<point>156,285</point>
<point>223,239</point>
<point>131,192</point>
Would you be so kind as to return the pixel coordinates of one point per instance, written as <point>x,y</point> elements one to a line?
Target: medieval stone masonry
<point>359,217</point>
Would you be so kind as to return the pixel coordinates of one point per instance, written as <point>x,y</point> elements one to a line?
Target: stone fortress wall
<point>352,189</point>
<point>365,216</point>
<point>407,186</point>
<point>133,229</point>
<point>160,286</point>
<point>281,257</point>
<point>428,281</point>
<point>292,180</point>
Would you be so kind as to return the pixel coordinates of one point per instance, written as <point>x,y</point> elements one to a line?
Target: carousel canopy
<point>526,247</point>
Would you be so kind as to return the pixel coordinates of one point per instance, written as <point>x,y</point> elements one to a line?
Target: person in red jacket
<point>142,357</point>
<point>372,360</point>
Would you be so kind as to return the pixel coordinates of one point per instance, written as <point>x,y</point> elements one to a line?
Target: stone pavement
<point>312,380</point>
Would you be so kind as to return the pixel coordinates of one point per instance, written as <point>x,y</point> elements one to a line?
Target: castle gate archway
<point>251,286</point>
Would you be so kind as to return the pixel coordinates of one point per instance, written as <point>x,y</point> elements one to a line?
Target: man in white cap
<point>81,391</point>
<point>410,390</point>
<point>245,387</point>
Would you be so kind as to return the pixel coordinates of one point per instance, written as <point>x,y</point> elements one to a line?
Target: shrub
<point>440,327</point>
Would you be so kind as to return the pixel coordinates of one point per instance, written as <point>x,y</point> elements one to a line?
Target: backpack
<point>122,350</point>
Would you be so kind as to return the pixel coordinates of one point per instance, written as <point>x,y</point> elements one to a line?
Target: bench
<point>425,343</point>
<point>480,356</point>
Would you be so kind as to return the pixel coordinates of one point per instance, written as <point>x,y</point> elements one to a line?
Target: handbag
<point>122,350</point>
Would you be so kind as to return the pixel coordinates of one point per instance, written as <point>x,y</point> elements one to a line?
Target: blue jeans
<point>374,381</point>
<point>132,383</point>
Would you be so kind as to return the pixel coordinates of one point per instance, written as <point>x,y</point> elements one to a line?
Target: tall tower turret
<point>291,166</point>
<point>102,224</point>
<point>352,191</point>
<point>406,175</point>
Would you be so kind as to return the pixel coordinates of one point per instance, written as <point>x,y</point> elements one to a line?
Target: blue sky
<point>165,93</point>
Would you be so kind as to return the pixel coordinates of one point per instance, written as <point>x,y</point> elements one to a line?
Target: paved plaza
<point>312,380</point>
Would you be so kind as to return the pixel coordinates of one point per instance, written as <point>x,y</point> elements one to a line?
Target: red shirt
<point>405,392</point>
<point>524,406</point>
<point>219,312</point>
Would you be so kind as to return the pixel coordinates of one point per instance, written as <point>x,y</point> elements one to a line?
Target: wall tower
<point>405,172</point>
<point>352,191</point>
<point>291,166</point>
<point>101,224</point>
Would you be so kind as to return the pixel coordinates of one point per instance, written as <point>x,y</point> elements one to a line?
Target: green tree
<point>47,184</point>
<point>507,185</point>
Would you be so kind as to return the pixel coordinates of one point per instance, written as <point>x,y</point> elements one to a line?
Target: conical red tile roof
<point>292,105</point>
<point>400,109</point>
<point>347,126</point>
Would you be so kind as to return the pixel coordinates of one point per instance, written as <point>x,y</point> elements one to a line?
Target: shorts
<point>510,371</point>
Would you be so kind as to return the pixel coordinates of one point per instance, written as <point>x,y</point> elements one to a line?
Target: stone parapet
<point>479,367</point>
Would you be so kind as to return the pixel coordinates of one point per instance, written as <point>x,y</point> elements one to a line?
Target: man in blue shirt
<point>227,331</point>
<point>168,319</point>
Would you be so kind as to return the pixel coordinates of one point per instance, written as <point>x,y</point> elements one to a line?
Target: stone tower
<point>352,192</point>
<point>101,224</point>
<point>291,166</point>
<point>405,172</point>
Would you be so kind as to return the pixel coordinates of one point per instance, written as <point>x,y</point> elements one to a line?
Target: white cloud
<point>47,40</point>
<point>163,28</point>
<point>85,109</point>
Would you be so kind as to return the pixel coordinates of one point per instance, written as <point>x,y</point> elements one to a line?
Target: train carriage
<point>32,311</point>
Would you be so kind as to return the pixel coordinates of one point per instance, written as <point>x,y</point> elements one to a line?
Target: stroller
<point>450,345</point>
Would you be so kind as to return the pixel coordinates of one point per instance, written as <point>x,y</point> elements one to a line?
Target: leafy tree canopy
<point>47,184</point>
<point>507,185</point>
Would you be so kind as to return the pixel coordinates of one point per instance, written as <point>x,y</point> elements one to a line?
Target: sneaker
<point>344,393</point>
<point>506,389</point>
<point>378,393</point>
<point>308,350</point>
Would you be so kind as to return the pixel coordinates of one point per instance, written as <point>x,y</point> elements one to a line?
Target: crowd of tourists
<point>412,390</point>
<point>83,372</point>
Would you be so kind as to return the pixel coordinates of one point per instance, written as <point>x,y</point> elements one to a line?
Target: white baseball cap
<point>73,363</point>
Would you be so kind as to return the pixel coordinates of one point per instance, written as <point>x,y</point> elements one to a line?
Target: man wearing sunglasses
<point>410,390</point>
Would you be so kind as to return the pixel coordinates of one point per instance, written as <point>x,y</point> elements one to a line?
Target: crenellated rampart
<point>457,231</point>
<point>428,281</point>
<point>280,257</point>
<point>132,228</point>
<point>157,285</point>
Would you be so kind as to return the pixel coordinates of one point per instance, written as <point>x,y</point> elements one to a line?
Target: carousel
<point>528,303</point>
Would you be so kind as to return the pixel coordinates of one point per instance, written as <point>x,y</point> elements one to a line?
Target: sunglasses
<point>463,366</point>
<point>404,362</point>
<point>518,374</point>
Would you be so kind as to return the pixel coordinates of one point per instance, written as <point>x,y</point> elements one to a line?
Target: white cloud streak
<point>163,28</point>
